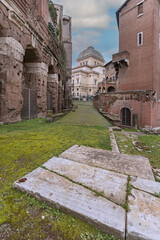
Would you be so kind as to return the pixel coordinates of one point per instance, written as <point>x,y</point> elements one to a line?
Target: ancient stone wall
<point>27,53</point>
<point>141,104</point>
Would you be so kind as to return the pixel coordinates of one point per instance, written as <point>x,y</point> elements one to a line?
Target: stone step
<point>136,165</point>
<point>59,192</point>
<point>109,184</point>
<point>143,218</point>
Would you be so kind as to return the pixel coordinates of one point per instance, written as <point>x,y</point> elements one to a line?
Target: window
<point>77,80</point>
<point>140,39</point>
<point>77,89</point>
<point>94,63</point>
<point>86,62</point>
<point>140,8</point>
<point>95,81</point>
<point>90,90</point>
<point>108,68</point>
<point>77,94</point>
<point>103,71</point>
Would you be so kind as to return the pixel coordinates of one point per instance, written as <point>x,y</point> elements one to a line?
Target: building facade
<point>32,73</point>
<point>109,84</point>
<point>86,76</point>
<point>137,98</point>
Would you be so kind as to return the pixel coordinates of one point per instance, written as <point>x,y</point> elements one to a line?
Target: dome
<point>90,51</point>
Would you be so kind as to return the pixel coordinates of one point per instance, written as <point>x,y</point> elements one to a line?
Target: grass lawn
<point>150,146</point>
<point>27,145</point>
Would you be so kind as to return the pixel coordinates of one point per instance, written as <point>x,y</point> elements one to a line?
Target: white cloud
<point>89,13</point>
<point>89,19</point>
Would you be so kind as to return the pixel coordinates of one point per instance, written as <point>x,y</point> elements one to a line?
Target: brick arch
<point>32,55</point>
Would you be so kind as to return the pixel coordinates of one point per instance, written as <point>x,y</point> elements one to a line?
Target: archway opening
<point>111,89</point>
<point>29,84</point>
<point>125,117</point>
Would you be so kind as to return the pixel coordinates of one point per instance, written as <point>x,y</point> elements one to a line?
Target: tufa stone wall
<point>32,76</point>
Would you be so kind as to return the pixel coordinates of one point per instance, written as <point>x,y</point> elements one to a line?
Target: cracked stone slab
<point>145,185</point>
<point>59,192</point>
<point>143,219</point>
<point>112,185</point>
<point>137,166</point>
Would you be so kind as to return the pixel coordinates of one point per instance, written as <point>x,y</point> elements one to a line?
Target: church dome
<point>90,51</point>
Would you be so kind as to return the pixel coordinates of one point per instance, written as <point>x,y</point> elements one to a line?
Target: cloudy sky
<point>93,24</point>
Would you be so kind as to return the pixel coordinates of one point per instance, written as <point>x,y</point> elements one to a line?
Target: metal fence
<point>29,110</point>
<point>49,101</point>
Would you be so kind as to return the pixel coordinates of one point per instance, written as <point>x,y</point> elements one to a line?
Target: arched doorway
<point>29,84</point>
<point>111,89</point>
<point>125,117</point>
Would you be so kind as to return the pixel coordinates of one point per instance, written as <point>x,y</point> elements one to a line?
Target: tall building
<point>89,72</point>
<point>136,101</point>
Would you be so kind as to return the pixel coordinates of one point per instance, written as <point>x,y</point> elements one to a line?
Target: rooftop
<point>90,51</point>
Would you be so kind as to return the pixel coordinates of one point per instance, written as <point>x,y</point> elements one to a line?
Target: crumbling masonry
<point>33,76</point>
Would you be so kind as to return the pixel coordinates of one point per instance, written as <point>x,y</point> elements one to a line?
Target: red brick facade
<point>137,64</point>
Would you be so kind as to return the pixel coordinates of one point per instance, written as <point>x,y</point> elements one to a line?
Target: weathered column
<point>37,74</point>
<point>11,67</point>
<point>53,88</point>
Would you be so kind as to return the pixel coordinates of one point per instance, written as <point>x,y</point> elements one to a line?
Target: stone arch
<point>111,89</point>
<point>34,84</point>
<point>125,117</point>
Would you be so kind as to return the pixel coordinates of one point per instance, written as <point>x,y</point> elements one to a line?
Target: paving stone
<point>146,185</point>
<point>143,219</point>
<point>112,185</point>
<point>72,198</point>
<point>132,165</point>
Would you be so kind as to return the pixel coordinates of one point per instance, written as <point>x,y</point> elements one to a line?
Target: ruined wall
<point>139,103</point>
<point>27,51</point>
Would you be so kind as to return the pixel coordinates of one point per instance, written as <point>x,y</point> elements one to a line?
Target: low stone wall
<point>141,104</point>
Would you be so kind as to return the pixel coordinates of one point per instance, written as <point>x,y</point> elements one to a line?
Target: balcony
<point>121,57</point>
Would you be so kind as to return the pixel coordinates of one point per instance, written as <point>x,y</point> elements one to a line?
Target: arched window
<point>111,89</point>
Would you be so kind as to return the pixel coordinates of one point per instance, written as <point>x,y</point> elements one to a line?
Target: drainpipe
<point>156,113</point>
<point>141,114</point>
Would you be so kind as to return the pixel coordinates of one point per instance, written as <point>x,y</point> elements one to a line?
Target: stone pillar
<point>11,67</point>
<point>60,96</point>
<point>36,75</point>
<point>53,88</point>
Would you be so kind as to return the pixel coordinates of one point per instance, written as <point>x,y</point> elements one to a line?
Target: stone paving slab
<point>110,184</point>
<point>143,219</point>
<point>145,185</point>
<point>132,165</point>
<point>73,198</point>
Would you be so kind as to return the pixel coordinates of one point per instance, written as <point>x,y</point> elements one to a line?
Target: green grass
<point>150,145</point>
<point>24,147</point>
<point>85,114</point>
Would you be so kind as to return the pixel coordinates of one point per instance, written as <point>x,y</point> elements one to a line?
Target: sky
<point>93,24</point>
